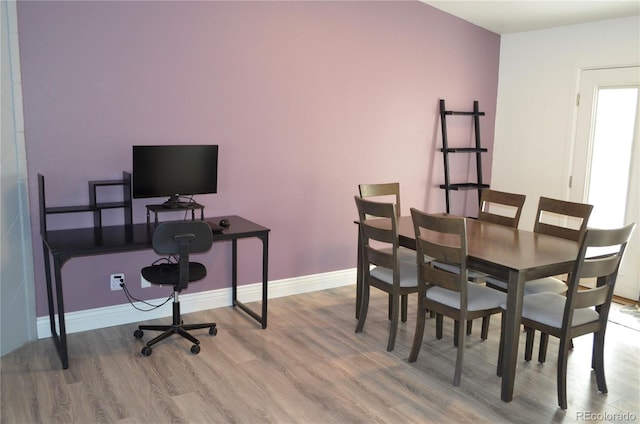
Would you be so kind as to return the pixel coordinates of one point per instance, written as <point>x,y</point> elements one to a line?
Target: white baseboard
<point>108,316</point>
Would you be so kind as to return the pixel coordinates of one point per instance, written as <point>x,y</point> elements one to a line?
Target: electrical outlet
<point>115,280</point>
<point>144,283</point>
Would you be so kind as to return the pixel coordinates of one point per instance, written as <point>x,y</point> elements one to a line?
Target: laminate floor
<point>308,366</point>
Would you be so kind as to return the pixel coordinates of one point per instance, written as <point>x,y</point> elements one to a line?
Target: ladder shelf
<point>477,150</point>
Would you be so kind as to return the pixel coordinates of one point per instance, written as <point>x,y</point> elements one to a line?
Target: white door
<point>606,159</point>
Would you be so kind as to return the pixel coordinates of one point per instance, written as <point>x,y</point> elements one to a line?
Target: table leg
<point>262,319</point>
<point>265,278</point>
<point>359,276</point>
<point>234,271</point>
<point>59,338</point>
<point>513,316</point>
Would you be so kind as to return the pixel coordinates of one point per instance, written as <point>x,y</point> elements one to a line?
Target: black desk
<point>62,245</point>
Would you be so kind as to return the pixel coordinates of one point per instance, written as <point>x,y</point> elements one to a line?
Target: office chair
<point>177,238</point>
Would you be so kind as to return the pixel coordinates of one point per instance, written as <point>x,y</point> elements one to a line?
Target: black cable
<point>133,299</point>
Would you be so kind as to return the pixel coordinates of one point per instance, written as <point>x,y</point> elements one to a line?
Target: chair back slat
<point>380,257</point>
<point>374,232</point>
<point>441,278</point>
<point>500,207</point>
<point>591,297</point>
<point>441,252</point>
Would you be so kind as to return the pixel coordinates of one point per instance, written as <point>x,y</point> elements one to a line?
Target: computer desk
<point>63,245</point>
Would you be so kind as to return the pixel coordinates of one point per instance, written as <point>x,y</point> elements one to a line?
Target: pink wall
<point>305,99</point>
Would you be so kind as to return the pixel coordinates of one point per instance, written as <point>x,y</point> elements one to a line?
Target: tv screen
<point>175,171</point>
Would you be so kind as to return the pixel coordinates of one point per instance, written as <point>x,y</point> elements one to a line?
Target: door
<point>606,159</point>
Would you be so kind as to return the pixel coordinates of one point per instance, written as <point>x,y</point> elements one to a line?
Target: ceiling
<point>505,17</point>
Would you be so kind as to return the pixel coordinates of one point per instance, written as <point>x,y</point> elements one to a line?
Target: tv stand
<point>173,207</point>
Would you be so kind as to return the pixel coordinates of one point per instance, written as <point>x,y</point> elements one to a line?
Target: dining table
<point>513,255</point>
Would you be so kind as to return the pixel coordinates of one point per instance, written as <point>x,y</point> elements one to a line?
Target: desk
<point>515,256</point>
<point>63,245</point>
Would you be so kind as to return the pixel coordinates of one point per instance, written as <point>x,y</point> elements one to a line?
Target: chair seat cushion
<point>479,298</point>
<point>408,274</point>
<point>548,308</point>
<point>169,274</point>
<point>541,285</point>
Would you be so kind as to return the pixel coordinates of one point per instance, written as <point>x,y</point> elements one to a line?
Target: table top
<point>497,250</point>
<point>121,238</point>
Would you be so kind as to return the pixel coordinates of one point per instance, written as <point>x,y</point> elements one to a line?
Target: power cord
<point>131,298</point>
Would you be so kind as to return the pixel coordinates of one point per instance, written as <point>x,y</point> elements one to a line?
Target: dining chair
<point>386,192</point>
<point>447,293</point>
<point>580,312</point>
<point>558,218</point>
<point>497,207</point>
<point>382,266</point>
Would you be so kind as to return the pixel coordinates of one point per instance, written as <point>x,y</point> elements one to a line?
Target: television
<point>175,171</point>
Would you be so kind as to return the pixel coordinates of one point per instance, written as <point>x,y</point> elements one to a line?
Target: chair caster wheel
<point>138,334</point>
<point>146,351</point>
<point>213,330</point>
<point>195,349</point>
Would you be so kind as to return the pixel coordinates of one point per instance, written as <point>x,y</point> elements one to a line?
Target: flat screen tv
<point>176,171</point>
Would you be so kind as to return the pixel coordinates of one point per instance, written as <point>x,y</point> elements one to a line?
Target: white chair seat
<point>408,274</point>
<point>548,308</point>
<point>479,298</point>
<point>541,285</point>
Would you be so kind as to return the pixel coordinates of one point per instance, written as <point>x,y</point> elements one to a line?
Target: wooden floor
<point>308,366</point>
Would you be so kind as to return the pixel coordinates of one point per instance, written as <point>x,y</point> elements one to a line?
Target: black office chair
<point>177,238</point>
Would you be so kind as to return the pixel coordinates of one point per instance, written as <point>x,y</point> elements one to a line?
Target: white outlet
<point>144,283</point>
<point>115,280</point>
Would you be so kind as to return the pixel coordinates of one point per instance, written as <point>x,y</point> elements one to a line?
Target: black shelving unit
<point>477,150</point>
<point>94,205</point>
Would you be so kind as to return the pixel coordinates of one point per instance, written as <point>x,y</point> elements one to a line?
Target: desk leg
<point>359,276</point>
<point>512,334</point>
<point>59,339</point>
<point>262,319</point>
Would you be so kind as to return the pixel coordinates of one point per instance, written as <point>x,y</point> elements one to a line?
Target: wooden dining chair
<point>390,192</point>
<point>558,218</point>
<point>581,311</point>
<point>497,207</point>
<point>447,293</point>
<point>382,266</point>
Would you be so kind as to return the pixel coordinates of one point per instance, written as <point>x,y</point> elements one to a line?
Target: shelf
<point>464,150</point>
<point>87,208</point>
<point>463,186</point>
<point>106,183</point>
<point>68,209</point>
<point>477,150</point>
<point>93,206</point>
<point>453,112</point>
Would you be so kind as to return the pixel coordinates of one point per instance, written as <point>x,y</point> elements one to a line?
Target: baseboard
<point>109,316</point>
